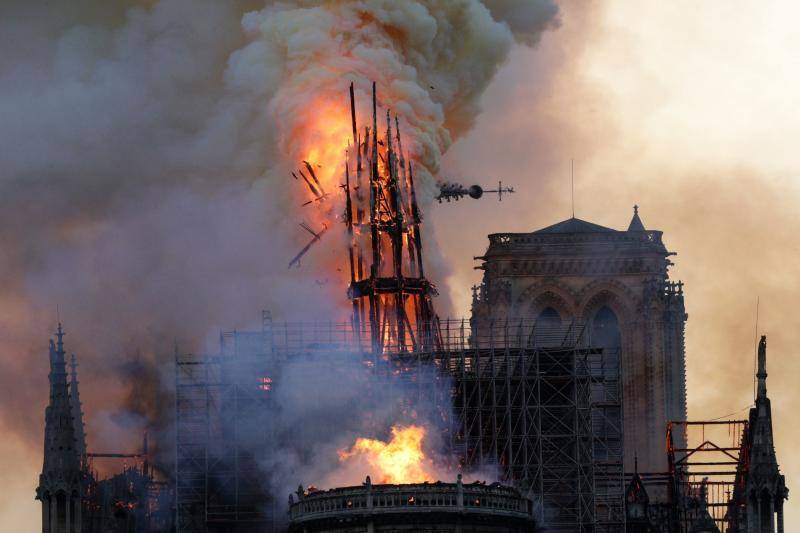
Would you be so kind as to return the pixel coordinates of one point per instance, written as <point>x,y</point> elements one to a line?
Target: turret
<point>636,222</point>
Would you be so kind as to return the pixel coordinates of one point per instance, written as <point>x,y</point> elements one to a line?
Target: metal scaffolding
<point>222,407</point>
<point>537,404</point>
<point>707,478</point>
<point>546,409</point>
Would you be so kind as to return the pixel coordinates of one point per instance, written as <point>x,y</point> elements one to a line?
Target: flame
<point>401,460</point>
<point>323,138</point>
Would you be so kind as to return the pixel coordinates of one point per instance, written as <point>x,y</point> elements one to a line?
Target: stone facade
<point>616,283</point>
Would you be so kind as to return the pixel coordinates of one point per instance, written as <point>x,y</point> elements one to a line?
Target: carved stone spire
<point>75,404</point>
<point>60,454</point>
<point>765,486</point>
<point>762,369</point>
<point>59,487</point>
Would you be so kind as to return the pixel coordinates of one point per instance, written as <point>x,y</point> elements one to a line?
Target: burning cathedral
<point>567,384</point>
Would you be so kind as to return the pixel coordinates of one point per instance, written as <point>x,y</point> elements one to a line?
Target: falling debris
<point>317,235</point>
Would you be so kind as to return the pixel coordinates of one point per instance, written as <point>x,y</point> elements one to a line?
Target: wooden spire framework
<point>391,296</point>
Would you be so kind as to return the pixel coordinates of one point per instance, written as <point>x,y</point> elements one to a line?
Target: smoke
<point>320,404</point>
<point>431,60</point>
<point>146,150</point>
<point>324,402</point>
<point>646,126</point>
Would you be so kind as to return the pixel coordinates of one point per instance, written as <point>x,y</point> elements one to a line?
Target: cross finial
<point>635,209</point>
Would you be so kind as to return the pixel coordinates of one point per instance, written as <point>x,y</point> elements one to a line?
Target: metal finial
<point>635,209</point>
<point>572,183</point>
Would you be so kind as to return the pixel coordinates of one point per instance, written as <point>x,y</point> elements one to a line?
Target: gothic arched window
<point>605,329</point>
<point>605,333</point>
<point>549,316</point>
<point>548,327</point>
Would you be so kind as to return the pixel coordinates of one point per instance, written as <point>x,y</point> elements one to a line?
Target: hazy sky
<point>688,109</point>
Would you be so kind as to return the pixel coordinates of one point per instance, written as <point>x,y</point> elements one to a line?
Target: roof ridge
<point>575,225</point>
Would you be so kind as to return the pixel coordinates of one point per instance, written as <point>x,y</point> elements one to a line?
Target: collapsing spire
<point>390,294</point>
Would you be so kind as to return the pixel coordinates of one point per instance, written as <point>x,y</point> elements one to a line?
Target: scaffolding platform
<point>539,405</point>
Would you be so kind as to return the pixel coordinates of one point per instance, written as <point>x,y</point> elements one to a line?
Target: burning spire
<point>392,299</point>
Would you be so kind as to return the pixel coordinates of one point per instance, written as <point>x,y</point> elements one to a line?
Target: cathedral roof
<point>575,225</point>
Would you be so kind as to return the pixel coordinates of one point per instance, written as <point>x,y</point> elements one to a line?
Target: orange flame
<point>319,136</point>
<point>401,460</point>
<point>323,139</point>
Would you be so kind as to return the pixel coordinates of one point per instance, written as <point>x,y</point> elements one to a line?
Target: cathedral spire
<point>765,485</point>
<point>59,487</point>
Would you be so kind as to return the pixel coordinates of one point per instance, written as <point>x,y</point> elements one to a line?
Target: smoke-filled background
<point>146,191</point>
<point>145,150</point>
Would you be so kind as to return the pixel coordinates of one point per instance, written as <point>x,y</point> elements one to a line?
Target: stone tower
<point>617,284</point>
<point>765,486</point>
<point>59,487</point>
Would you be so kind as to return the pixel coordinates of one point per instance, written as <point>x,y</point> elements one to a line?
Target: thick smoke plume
<point>323,403</point>
<point>145,155</point>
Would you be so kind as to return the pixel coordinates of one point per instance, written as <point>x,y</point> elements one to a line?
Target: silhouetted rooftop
<point>575,225</point>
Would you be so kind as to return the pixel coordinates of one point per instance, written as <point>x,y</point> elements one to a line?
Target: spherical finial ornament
<point>476,191</point>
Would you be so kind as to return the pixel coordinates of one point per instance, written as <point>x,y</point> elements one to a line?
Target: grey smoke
<point>323,403</point>
<point>144,157</point>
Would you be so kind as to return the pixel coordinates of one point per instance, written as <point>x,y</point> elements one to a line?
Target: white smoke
<point>145,148</point>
